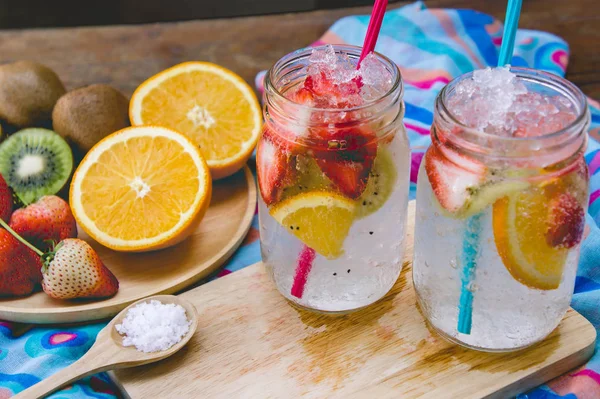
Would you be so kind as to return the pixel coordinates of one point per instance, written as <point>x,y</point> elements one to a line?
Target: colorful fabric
<point>431,46</point>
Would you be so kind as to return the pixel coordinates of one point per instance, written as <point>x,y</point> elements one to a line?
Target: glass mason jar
<point>496,272</point>
<point>333,191</point>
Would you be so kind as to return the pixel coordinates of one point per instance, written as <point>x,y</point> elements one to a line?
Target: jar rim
<point>352,52</point>
<point>558,83</point>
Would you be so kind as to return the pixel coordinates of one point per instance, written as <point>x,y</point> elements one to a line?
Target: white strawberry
<point>74,270</point>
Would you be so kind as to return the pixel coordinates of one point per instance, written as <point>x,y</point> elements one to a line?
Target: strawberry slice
<point>349,177</point>
<point>566,221</point>
<point>454,178</point>
<point>303,96</point>
<point>276,169</point>
<point>317,84</point>
<point>348,159</point>
<point>297,128</point>
<point>329,94</point>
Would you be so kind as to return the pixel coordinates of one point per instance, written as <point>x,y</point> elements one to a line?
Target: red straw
<point>373,29</point>
<point>305,262</point>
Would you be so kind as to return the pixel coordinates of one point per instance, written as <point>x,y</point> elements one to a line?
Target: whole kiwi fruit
<point>28,93</point>
<point>86,115</point>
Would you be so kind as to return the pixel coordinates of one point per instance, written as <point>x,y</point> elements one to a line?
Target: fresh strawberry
<point>20,267</point>
<point>303,96</point>
<point>48,220</point>
<point>276,169</point>
<point>292,129</point>
<point>348,158</point>
<point>6,200</point>
<point>314,85</point>
<point>349,177</point>
<point>454,178</point>
<point>328,94</point>
<point>74,270</point>
<point>566,221</point>
<point>285,137</point>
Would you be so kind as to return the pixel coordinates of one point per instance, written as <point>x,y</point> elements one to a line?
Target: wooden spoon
<point>108,353</point>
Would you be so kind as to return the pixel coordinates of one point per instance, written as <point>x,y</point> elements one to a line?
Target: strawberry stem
<point>21,239</point>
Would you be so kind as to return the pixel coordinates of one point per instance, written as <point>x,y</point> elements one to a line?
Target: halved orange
<point>212,105</point>
<point>141,188</point>
<point>320,219</point>
<point>520,226</point>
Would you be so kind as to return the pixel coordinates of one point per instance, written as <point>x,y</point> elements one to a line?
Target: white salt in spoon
<point>108,353</point>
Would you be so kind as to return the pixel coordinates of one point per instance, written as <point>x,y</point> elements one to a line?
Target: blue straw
<point>513,12</point>
<point>473,228</point>
<point>469,260</point>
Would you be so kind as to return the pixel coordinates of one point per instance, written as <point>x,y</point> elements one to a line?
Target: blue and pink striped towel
<point>431,46</point>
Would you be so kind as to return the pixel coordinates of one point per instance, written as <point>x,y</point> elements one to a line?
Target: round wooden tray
<point>162,272</point>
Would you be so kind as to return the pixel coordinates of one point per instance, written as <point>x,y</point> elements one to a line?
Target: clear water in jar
<point>372,252</point>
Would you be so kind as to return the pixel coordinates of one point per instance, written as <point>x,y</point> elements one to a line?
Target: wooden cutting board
<point>167,271</point>
<point>251,343</point>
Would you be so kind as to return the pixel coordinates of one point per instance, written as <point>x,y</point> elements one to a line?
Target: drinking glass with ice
<point>501,198</point>
<point>333,168</point>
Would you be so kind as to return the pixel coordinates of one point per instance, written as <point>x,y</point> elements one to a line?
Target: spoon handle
<point>94,361</point>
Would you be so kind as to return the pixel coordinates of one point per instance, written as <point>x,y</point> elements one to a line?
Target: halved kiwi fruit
<point>35,162</point>
<point>379,186</point>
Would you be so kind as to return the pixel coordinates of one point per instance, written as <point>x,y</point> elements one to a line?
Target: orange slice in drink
<point>213,106</point>
<point>141,188</point>
<point>320,219</point>
<point>520,224</point>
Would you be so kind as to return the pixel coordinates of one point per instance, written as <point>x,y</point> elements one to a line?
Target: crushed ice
<point>335,79</point>
<point>493,100</point>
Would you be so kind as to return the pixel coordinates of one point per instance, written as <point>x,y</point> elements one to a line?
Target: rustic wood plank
<point>251,343</point>
<point>127,55</point>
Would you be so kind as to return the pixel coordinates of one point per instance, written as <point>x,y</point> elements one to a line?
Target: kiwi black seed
<point>86,115</point>
<point>380,185</point>
<point>35,162</point>
<point>310,177</point>
<point>28,93</point>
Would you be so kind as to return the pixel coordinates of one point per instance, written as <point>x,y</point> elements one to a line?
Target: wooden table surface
<point>127,55</point>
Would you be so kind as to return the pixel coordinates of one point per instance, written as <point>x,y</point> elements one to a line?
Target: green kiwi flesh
<point>379,186</point>
<point>310,178</point>
<point>35,162</point>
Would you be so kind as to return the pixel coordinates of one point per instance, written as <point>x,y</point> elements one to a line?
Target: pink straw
<point>307,255</point>
<point>373,29</point>
<point>305,263</point>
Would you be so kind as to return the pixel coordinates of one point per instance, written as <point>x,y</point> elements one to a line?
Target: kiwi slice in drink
<point>35,162</point>
<point>379,186</point>
<point>310,178</point>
